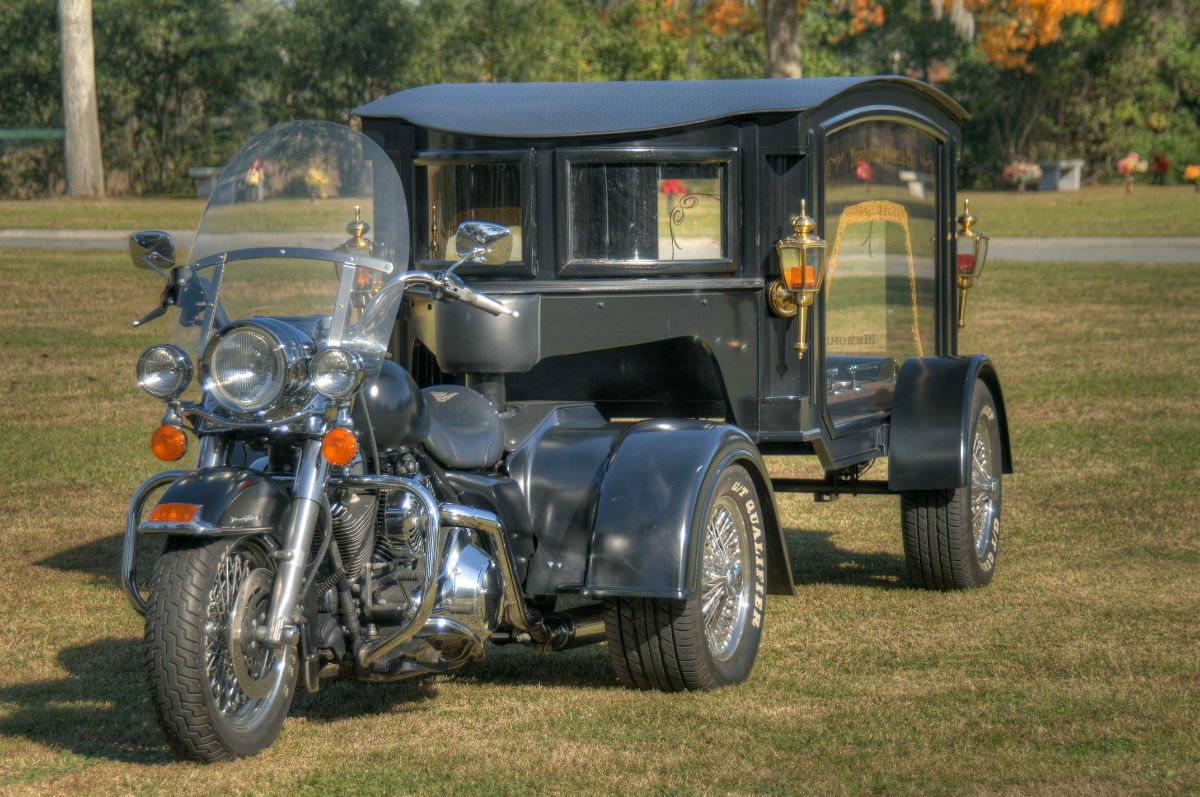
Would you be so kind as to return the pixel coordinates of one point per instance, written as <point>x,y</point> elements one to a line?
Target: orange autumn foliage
<point>1010,29</point>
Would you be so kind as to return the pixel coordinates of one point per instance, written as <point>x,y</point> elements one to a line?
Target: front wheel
<point>711,639</point>
<point>218,692</point>
<point>952,537</point>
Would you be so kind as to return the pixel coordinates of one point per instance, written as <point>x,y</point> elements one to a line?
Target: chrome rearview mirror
<point>482,242</point>
<point>152,250</point>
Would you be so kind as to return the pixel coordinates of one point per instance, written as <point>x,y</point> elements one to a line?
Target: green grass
<point>1075,672</point>
<point>1097,211</point>
<point>101,214</point>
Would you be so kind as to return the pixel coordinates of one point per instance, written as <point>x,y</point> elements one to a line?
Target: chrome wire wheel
<point>985,488</point>
<point>242,673</point>
<point>724,588</point>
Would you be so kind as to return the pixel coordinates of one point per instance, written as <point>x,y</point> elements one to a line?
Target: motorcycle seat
<point>464,430</point>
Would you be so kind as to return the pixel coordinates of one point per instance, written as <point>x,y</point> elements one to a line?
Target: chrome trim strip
<point>130,549</point>
<point>296,253</point>
<point>197,528</point>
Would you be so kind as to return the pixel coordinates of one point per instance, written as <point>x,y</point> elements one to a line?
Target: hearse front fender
<point>931,422</point>
<point>645,540</point>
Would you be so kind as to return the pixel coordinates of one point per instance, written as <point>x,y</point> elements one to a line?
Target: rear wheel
<point>219,693</point>
<point>711,639</point>
<point>952,537</point>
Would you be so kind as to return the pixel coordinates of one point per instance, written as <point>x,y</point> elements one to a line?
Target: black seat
<point>464,430</point>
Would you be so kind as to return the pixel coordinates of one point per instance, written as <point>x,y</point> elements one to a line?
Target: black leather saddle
<point>464,430</point>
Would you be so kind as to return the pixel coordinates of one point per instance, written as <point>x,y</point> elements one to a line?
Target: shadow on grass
<point>100,558</point>
<point>101,709</point>
<point>816,559</point>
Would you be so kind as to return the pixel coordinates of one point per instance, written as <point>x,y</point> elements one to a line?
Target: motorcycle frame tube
<point>307,495</point>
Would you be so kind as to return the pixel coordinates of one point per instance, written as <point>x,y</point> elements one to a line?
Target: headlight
<point>256,365</point>
<point>336,373</point>
<point>164,371</point>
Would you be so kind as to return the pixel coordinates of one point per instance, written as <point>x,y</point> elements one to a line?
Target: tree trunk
<point>783,38</point>
<point>85,167</point>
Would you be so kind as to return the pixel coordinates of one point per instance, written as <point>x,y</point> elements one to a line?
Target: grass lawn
<point>1076,672</point>
<point>1097,211</point>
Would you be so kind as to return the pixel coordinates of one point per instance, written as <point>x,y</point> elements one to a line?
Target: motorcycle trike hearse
<point>504,366</point>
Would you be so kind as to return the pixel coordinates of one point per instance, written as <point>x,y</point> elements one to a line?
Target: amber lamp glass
<point>168,443</point>
<point>972,247</point>
<point>339,447</point>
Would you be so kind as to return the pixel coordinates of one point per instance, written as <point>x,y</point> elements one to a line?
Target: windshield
<point>307,222</point>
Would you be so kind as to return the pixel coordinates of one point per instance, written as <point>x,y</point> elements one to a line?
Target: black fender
<point>931,422</point>
<point>229,500</point>
<point>647,529</point>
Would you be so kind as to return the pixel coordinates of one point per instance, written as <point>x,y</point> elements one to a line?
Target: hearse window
<point>880,221</point>
<point>468,187</point>
<point>646,212</point>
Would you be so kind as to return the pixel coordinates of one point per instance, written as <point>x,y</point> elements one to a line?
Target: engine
<point>384,547</point>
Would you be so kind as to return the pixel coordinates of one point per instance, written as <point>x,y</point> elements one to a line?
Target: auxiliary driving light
<point>164,371</point>
<point>336,373</point>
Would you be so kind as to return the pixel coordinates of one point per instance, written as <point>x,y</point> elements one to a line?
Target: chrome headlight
<point>336,373</point>
<point>257,365</point>
<point>164,371</point>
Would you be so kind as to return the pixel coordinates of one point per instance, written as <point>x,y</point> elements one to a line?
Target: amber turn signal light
<point>174,513</point>
<point>168,443</point>
<point>339,446</point>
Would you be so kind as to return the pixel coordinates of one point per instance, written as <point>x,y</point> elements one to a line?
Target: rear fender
<point>931,421</point>
<point>649,510</point>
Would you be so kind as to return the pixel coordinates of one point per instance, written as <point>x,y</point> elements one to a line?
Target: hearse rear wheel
<point>711,639</point>
<point>952,537</point>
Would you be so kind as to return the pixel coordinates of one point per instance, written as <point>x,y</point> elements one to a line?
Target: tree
<point>783,38</point>
<point>85,168</point>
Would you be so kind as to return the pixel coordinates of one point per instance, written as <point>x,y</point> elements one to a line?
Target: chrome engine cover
<point>470,591</point>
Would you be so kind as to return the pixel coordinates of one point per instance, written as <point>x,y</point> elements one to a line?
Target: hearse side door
<point>882,208</point>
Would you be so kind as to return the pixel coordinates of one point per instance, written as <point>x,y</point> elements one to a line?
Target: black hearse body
<point>645,219</point>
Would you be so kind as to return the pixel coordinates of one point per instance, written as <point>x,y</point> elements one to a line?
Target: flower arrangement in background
<point>316,179</point>
<point>1191,174</point>
<point>1022,173</point>
<point>1130,166</point>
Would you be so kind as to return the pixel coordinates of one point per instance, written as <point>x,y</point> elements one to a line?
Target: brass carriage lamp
<point>972,252</point>
<point>802,267</point>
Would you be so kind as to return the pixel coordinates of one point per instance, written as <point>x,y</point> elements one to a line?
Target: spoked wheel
<point>218,691</point>
<point>711,639</point>
<point>952,537</point>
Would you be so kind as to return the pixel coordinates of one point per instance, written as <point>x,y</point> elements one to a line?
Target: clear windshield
<point>308,221</point>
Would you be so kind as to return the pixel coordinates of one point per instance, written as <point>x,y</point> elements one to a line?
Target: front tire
<point>952,537</point>
<point>219,693</point>
<point>711,639</point>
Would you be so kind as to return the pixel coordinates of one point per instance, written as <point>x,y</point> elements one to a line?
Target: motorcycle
<point>341,521</point>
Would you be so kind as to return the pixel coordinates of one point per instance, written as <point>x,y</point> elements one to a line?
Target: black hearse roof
<point>555,110</point>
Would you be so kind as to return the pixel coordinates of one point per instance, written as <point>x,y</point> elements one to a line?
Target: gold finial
<point>967,219</point>
<point>803,225</point>
<point>357,229</point>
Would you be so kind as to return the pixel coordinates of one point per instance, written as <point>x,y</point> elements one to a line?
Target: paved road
<point>1053,250</point>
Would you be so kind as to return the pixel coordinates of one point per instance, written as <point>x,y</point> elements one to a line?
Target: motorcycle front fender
<point>222,501</point>
<point>226,501</point>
